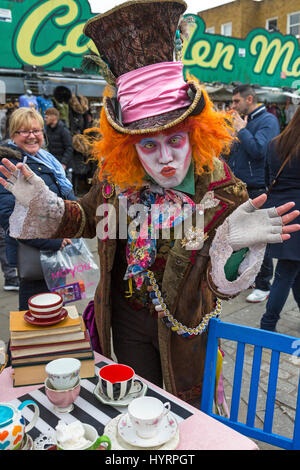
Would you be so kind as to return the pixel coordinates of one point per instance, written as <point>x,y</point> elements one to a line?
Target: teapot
<point>12,424</point>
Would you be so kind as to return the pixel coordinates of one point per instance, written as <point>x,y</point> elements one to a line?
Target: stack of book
<point>32,347</point>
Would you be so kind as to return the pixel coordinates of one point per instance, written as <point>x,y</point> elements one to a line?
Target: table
<point>198,431</point>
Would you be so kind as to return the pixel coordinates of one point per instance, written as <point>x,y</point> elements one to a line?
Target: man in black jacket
<point>255,130</point>
<point>59,138</point>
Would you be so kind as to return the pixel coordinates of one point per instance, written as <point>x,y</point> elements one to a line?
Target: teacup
<point>45,306</point>
<point>116,381</point>
<point>62,399</point>
<point>146,415</point>
<point>91,435</point>
<point>63,373</point>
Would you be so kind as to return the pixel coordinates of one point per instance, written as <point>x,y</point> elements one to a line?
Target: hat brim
<point>158,123</point>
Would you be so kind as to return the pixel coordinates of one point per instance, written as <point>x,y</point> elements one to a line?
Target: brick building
<point>239,17</point>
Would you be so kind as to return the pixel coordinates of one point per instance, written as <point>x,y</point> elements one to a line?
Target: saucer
<point>124,401</point>
<point>117,443</point>
<point>164,434</point>
<point>48,321</point>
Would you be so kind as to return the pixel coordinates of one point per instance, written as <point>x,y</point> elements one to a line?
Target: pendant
<point>194,239</point>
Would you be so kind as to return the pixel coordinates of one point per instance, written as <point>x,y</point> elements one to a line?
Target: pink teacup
<point>62,399</point>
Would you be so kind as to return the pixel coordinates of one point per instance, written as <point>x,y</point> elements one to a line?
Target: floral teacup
<point>146,415</point>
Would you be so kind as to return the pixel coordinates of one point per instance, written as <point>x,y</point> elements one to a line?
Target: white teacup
<point>146,415</point>
<point>63,373</point>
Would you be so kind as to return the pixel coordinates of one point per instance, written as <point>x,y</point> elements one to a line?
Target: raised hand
<point>282,212</point>
<point>250,225</point>
<point>21,181</point>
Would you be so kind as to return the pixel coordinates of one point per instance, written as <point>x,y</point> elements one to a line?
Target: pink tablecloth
<point>198,432</point>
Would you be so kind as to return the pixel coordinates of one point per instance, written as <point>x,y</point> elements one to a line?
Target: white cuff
<point>220,252</point>
<point>40,220</point>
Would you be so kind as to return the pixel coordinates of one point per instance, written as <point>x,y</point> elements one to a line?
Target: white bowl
<point>63,373</point>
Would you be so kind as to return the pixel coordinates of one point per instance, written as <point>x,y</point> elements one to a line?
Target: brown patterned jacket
<point>186,287</point>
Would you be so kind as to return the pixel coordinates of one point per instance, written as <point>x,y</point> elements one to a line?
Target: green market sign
<point>268,59</point>
<point>49,33</point>
<point>46,33</point>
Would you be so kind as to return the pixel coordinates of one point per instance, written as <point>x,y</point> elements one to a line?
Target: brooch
<point>195,236</point>
<point>108,190</point>
<point>194,239</point>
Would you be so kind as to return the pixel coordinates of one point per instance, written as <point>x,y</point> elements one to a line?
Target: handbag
<point>277,176</point>
<point>29,263</point>
<point>90,323</point>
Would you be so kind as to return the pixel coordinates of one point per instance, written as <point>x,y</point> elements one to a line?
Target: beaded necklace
<point>170,321</point>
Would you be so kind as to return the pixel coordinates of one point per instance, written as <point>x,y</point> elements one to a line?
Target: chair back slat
<point>271,393</point>
<point>208,387</point>
<point>237,383</point>
<point>296,436</point>
<point>254,385</point>
<point>276,343</point>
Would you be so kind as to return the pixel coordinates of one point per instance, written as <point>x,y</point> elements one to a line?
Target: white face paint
<point>166,158</point>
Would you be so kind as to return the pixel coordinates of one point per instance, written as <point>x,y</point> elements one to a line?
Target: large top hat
<point>136,41</point>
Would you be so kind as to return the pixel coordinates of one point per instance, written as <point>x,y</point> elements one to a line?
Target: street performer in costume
<point>159,155</point>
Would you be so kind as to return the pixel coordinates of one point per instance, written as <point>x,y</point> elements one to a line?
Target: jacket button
<point>39,168</point>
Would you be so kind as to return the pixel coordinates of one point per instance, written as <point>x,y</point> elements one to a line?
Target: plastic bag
<point>71,271</point>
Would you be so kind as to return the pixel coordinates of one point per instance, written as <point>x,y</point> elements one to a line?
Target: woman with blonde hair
<point>26,130</point>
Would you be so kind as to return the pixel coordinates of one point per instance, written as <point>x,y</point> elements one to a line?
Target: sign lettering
<point>266,58</point>
<point>49,33</point>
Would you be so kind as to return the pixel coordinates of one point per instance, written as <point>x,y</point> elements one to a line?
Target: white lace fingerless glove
<point>220,252</point>
<point>38,211</point>
<point>249,226</point>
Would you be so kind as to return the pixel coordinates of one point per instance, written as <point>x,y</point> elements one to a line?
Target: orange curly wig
<point>210,134</point>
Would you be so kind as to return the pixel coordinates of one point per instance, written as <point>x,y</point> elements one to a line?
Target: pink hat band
<point>152,90</point>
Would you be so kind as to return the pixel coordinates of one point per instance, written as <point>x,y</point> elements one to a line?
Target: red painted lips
<point>168,171</point>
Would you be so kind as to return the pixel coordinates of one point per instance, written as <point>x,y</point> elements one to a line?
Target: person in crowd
<point>159,148</point>
<point>255,128</point>
<point>78,114</point>
<point>26,132</point>
<point>84,165</point>
<point>284,149</point>
<point>290,109</point>
<point>11,281</point>
<point>3,118</point>
<point>59,138</point>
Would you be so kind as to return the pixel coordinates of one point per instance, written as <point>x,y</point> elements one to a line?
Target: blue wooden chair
<point>260,339</point>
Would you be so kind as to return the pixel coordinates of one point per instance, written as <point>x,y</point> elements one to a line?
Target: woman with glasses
<point>26,130</point>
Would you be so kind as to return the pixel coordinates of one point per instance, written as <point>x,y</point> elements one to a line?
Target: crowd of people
<point>267,160</point>
<point>283,112</point>
<point>66,116</point>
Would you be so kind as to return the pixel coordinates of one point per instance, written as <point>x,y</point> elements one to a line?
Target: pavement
<point>236,311</point>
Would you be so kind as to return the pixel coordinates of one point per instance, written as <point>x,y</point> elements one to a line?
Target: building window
<point>272,24</point>
<point>226,29</point>
<point>210,30</point>
<point>293,24</point>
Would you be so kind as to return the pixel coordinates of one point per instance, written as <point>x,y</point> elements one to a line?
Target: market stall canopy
<point>278,95</point>
<point>219,92</point>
